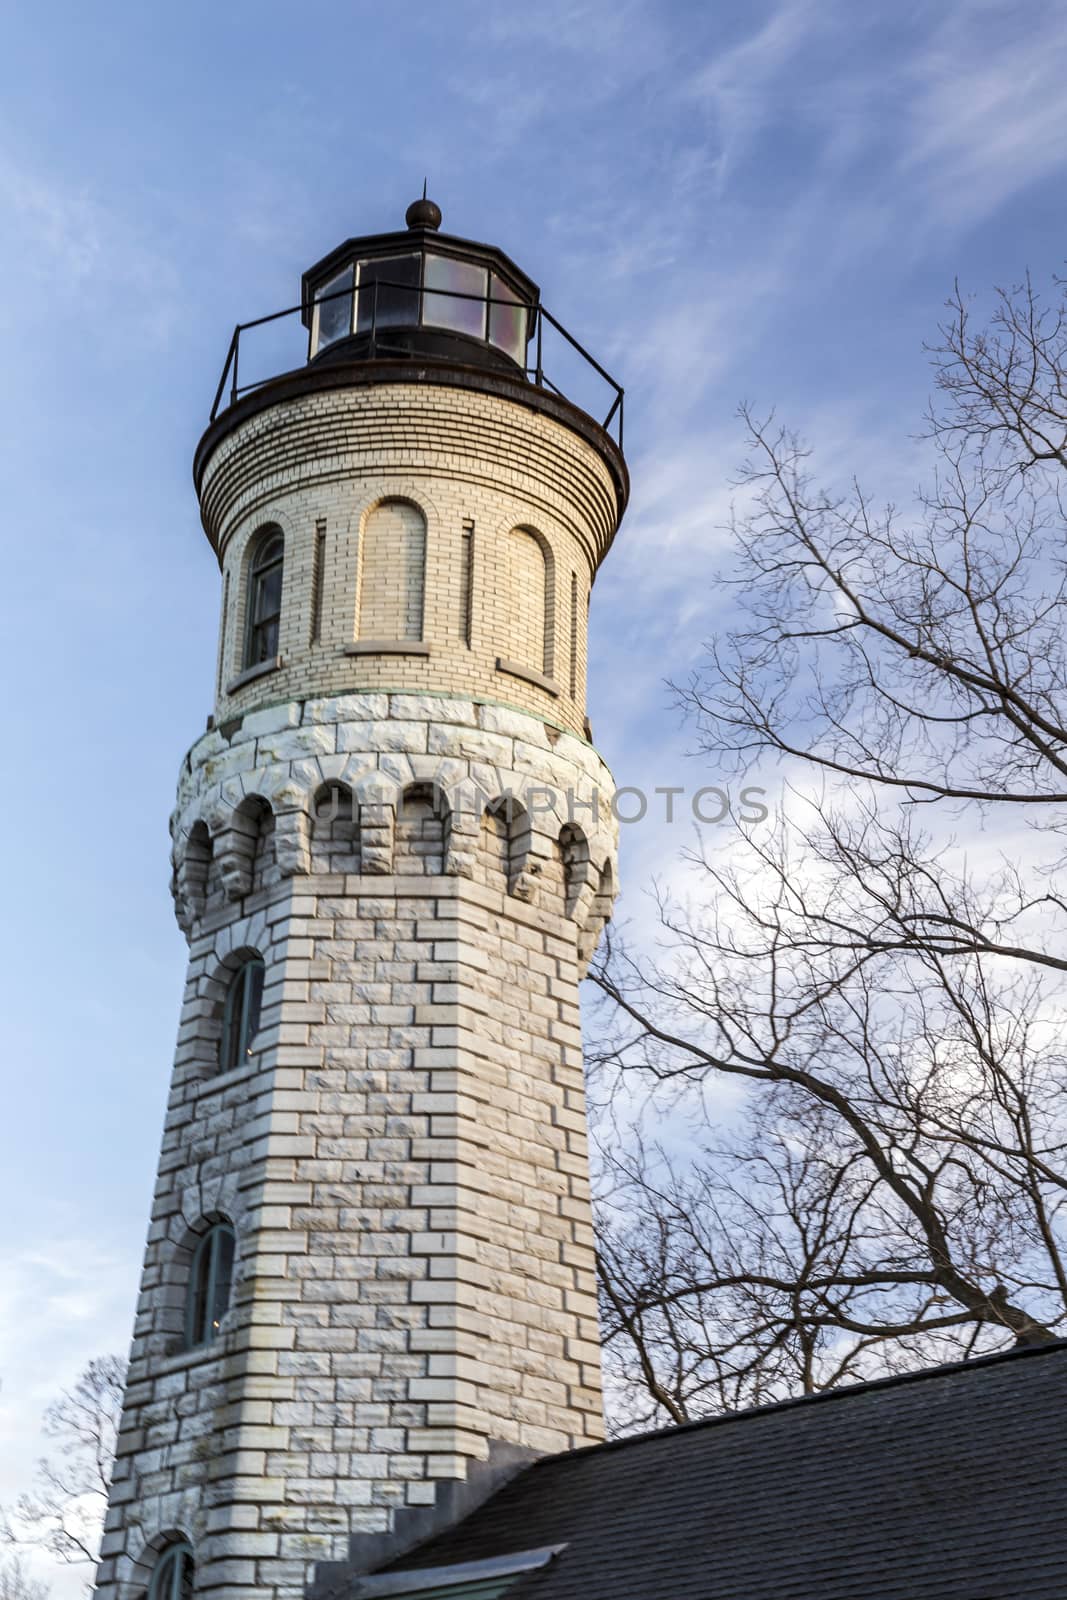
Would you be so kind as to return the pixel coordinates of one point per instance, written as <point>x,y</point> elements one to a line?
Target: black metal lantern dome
<point>419,294</point>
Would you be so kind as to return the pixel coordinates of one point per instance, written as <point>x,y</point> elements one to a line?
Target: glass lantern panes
<point>430,290</point>
<point>173,1576</point>
<point>333,310</point>
<point>449,307</point>
<point>507,321</point>
<point>240,1016</point>
<point>209,1285</point>
<point>265,601</point>
<point>388,293</point>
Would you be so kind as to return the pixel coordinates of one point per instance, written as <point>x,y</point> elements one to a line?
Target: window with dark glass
<point>173,1576</point>
<point>388,295</point>
<point>264,600</point>
<point>240,1015</point>
<point>209,1285</point>
<point>333,310</point>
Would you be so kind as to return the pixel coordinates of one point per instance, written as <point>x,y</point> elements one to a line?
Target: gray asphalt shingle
<point>942,1485</point>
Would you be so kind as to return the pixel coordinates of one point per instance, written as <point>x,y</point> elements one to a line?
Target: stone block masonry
<point>402,1157</point>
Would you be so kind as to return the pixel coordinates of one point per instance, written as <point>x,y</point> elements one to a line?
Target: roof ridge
<point>824,1396</point>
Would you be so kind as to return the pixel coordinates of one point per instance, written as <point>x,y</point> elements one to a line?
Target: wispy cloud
<point>928,121</point>
<point>573,26</point>
<point>739,86</point>
<point>66,1298</point>
<point>59,233</point>
<point>988,116</point>
<point>63,223</point>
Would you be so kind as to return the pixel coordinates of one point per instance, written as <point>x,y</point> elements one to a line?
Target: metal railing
<point>548,337</point>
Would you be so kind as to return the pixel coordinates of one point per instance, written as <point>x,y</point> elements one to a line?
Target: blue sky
<point>724,202</point>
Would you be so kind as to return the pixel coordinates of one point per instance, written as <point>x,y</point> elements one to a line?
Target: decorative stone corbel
<point>191,862</point>
<point>292,831</point>
<point>377,835</point>
<point>461,853</point>
<point>235,851</point>
<point>189,890</point>
<point>184,912</point>
<point>594,915</point>
<point>525,884</point>
<point>528,854</point>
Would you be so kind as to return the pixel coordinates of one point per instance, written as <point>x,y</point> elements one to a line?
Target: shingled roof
<point>948,1484</point>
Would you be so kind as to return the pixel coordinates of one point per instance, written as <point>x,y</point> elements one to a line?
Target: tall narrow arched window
<point>392,572</point>
<point>173,1575</point>
<point>240,1014</point>
<point>531,587</point>
<point>574,635</point>
<point>264,605</point>
<point>210,1277</point>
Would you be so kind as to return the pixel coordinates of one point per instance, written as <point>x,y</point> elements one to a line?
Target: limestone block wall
<point>491,614</point>
<point>402,1156</point>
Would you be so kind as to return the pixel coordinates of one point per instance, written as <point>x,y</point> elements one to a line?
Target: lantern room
<point>421,294</point>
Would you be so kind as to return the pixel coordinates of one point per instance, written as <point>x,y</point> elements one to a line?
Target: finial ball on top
<point>423,214</point>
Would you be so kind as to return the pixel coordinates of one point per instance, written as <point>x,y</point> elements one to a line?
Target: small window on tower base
<point>240,1016</point>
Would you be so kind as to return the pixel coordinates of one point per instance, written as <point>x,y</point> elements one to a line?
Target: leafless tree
<point>16,1582</point>
<point>64,1511</point>
<point>881,970</point>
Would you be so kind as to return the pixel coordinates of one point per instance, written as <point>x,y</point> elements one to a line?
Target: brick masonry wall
<point>475,467</point>
<point>392,572</point>
<point>532,636</point>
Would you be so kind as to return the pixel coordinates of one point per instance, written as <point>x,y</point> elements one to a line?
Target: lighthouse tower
<point>368,1290</point>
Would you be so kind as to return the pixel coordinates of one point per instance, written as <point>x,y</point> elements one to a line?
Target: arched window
<point>531,585</point>
<point>240,1016</point>
<point>173,1576</point>
<point>208,1295</point>
<point>264,599</point>
<point>392,572</point>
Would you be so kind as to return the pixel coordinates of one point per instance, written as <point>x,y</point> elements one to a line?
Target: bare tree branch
<point>891,1185</point>
<point>63,1513</point>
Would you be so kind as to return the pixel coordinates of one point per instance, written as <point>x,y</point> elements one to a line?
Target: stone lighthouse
<point>368,1290</point>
